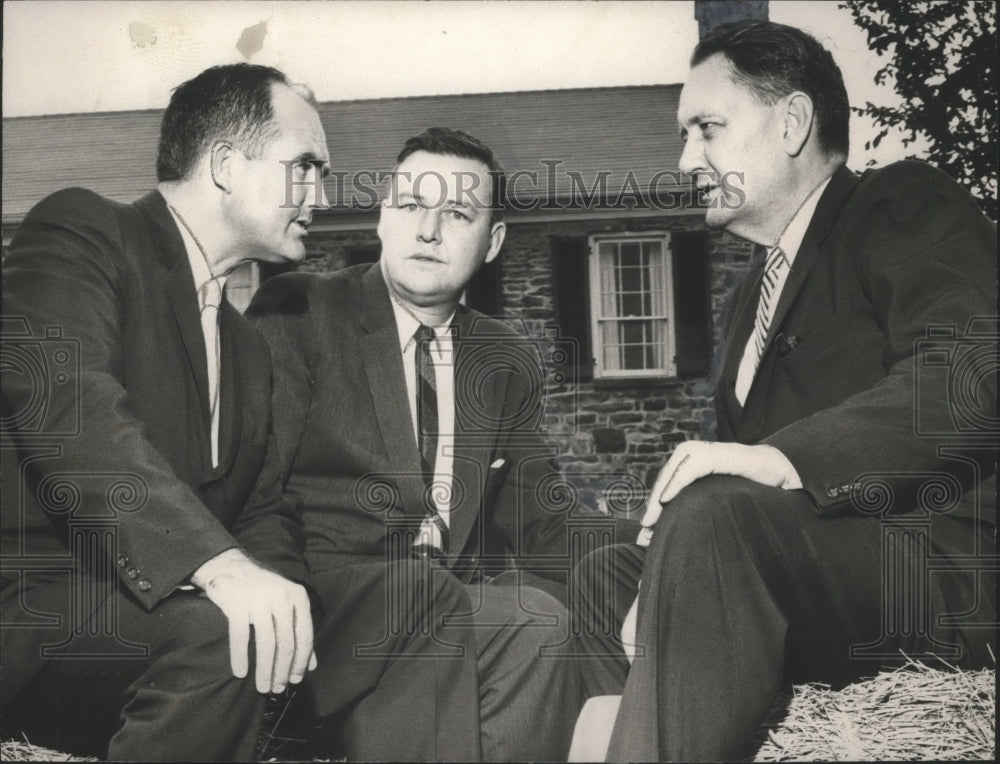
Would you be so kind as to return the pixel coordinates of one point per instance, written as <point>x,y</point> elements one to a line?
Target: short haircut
<point>224,103</point>
<point>446,141</point>
<point>772,60</point>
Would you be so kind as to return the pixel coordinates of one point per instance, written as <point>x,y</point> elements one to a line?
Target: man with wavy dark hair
<point>151,562</point>
<point>800,546</point>
<point>409,426</point>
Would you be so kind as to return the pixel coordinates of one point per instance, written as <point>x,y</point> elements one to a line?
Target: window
<point>241,284</point>
<point>576,301</point>
<point>485,291</point>
<point>631,305</point>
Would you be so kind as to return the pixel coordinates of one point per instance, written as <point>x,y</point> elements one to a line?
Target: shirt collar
<point>791,238</point>
<point>407,325</point>
<point>199,268</point>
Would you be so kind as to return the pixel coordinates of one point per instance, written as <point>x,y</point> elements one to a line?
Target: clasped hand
<point>696,459</point>
<point>276,608</point>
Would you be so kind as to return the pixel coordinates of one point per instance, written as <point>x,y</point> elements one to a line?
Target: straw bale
<point>18,750</point>
<point>912,713</point>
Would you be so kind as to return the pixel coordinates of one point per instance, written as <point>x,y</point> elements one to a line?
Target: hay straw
<point>911,713</point>
<point>15,750</point>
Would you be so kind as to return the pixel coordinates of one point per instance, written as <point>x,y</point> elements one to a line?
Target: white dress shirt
<point>788,242</point>
<point>202,274</point>
<point>442,356</point>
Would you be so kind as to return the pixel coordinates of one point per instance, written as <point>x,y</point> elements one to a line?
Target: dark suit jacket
<point>857,385</point>
<point>106,402</point>
<point>346,438</point>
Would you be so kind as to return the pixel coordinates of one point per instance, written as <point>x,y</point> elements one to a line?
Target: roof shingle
<point>553,134</point>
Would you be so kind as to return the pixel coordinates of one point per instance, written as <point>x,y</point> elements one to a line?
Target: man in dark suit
<point>409,427</point>
<point>145,535</point>
<point>848,511</point>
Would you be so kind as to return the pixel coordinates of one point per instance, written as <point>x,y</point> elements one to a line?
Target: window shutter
<point>692,302</point>
<point>570,276</point>
<point>484,291</point>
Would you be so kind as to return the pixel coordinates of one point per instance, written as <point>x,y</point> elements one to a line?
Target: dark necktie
<point>427,424</point>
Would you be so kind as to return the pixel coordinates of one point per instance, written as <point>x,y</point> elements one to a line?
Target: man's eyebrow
<point>694,119</point>
<point>308,156</point>
<point>420,199</point>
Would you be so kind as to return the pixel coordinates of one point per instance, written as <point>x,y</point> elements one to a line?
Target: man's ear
<point>381,215</point>
<point>221,159</point>
<point>798,122</point>
<point>497,234</point>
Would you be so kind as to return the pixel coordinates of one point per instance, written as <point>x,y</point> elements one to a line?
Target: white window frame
<point>241,285</point>
<point>598,319</point>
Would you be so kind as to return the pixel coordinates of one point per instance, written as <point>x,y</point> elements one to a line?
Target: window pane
<point>611,346</point>
<point>653,251</point>
<point>630,254</point>
<point>608,255</point>
<point>658,361</point>
<point>635,335</point>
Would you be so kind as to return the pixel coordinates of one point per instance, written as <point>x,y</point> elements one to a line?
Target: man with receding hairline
<point>761,561</point>
<point>187,602</point>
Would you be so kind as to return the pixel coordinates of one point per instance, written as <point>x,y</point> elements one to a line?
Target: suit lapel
<point>469,467</point>
<point>180,291</point>
<point>230,393</point>
<point>827,211</point>
<point>842,183</point>
<point>744,309</point>
<point>383,364</point>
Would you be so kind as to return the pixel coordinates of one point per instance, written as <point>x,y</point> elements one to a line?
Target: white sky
<point>67,57</point>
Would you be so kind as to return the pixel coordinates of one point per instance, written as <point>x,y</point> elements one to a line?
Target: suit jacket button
<point>132,573</point>
<point>832,492</point>
<point>144,585</point>
<point>122,561</point>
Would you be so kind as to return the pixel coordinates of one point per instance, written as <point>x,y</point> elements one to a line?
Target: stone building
<point>607,262</point>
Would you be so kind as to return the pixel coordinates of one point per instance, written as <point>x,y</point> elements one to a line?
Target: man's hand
<point>278,610</point>
<point>629,626</point>
<point>695,459</point>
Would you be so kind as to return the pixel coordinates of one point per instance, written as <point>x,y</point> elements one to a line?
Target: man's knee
<point>714,505</point>
<point>534,620</point>
<point>426,589</point>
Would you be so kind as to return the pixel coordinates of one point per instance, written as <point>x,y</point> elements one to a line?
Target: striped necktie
<point>770,289</point>
<point>427,427</point>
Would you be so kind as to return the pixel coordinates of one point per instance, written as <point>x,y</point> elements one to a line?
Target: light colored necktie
<point>770,289</point>
<point>211,299</point>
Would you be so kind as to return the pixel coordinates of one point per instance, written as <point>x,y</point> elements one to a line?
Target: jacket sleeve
<point>269,528</point>
<point>279,312</point>
<point>64,291</point>
<point>926,259</point>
